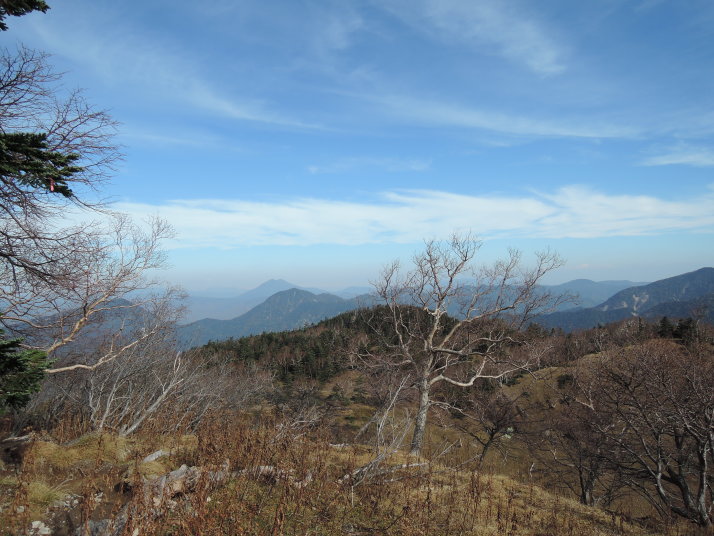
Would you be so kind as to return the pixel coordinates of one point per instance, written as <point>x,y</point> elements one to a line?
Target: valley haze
<point>277,305</point>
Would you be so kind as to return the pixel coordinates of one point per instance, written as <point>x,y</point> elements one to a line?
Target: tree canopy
<point>27,161</point>
<point>17,8</point>
<point>21,373</point>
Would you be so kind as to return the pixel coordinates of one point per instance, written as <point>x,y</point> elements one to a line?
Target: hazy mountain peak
<point>271,284</point>
<point>284,310</point>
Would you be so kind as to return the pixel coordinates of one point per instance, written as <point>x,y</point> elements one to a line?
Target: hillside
<point>240,477</point>
<point>225,308</point>
<point>310,450</point>
<point>590,293</point>
<point>283,311</point>
<point>680,288</point>
<point>679,296</point>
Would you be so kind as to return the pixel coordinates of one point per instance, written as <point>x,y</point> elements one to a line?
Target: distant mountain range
<point>679,296</point>
<point>276,305</point>
<point>226,308</point>
<point>283,311</point>
<point>273,308</point>
<point>590,293</point>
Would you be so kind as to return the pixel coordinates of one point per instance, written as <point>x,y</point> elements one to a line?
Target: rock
<point>12,449</point>
<point>156,455</point>
<point>38,528</point>
<point>95,528</point>
<point>273,474</point>
<point>105,527</point>
<point>160,494</point>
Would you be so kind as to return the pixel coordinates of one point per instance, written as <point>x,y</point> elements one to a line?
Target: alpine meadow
<point>308,267</point>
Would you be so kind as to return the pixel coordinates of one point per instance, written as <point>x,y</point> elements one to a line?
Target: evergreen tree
<point>21,373</point>
<point>686,331</point>
<point>17,8</point>
<point>666,329</point>
<point>27,162</point>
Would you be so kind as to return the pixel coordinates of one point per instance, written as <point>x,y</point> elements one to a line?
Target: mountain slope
<point>680,288</point>
<point>590,293</point>
<point>678,296</point>
<point>200,307</point>
<point>286,310</point>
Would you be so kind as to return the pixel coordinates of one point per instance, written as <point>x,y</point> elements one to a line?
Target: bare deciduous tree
<point>73,147</point>
<point>32,99</point>
<point>142,384</point>
<point>105,267</point>
<point>54,277</point>
<point>659,406</point>
<point>122,395</point>
<point>66,287</point>
<point>488,418</point>
<point>570,451</point>
<point>150,381</point>
<point>448,322</point>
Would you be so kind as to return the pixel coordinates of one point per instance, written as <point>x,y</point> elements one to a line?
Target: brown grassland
<point>311,487</point>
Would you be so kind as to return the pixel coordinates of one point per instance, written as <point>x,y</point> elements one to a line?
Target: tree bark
<point>420,421</point>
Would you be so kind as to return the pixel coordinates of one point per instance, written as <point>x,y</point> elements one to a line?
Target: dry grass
<point>86,470</point>
<point>95,447</point>
<point>40,495</point>
<point>8,481</point>
<point>415,501</point>
<point>307,494</point>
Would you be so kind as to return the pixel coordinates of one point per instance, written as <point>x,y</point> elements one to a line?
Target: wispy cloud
<point>334,29</point>
<point>580,212</point>
<point>437,113</point>
<point>241,109</point>
<point>646,5</point>
<point>497,26</point>
<point>409,216</point>
<point>179,137</point>
<point>150,66</point>
<point>395,165</point>
<point>683,154</point>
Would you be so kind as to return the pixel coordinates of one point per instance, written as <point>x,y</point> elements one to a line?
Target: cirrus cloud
<point>683,154</point>
<point>500,26</point>
<point>409,216</point>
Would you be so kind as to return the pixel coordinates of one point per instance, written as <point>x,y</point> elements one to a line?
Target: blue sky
<point>317,140</point>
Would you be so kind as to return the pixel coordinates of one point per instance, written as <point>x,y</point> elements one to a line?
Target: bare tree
<point>122,395</point>
<point>105,268</point>
<point>54,149</point>
<point>487,417</point>
<point>33,99</point>
<point>568,447</point>
<point>82,293</point>
<point>153,377</point>
<point>150,381</point>
<point>659,404</point>
<point>448,322</point>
